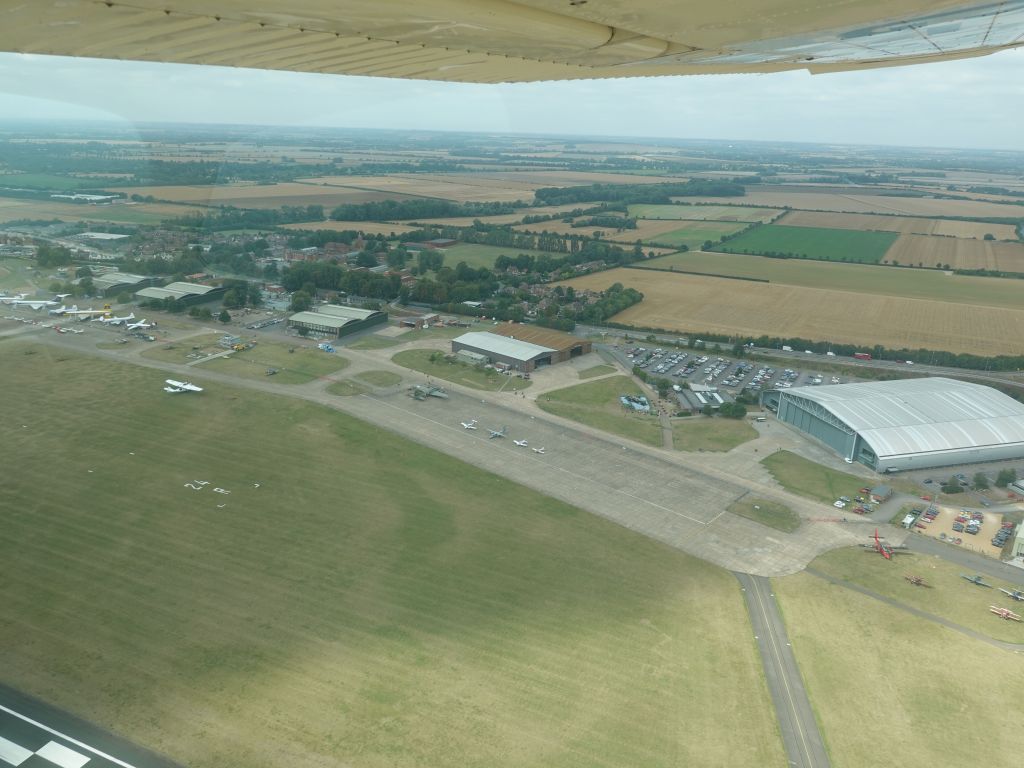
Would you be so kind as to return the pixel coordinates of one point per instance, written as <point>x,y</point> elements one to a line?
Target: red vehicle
<point>862,355</point>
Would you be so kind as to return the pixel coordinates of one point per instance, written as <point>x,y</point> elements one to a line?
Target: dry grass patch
<point>957,253</point>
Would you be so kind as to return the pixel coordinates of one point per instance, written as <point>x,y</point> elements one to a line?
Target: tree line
<point>638,193</point>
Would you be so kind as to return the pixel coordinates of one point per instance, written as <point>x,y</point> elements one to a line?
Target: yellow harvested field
<point>957,252</point>
<point>690,303</point>
<point>369,227</point>
<point>904,206</point>
<point>907,225</point>
<point>265,195</point>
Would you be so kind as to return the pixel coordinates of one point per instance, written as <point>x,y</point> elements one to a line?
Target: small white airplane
<point>471,424</point>
<point>538,450</point>
<point>497,433</point>
<point>61,296</point>
<point>141,324</point>
<point>62,310</point>
<point>118,320</point>
<point>181,386</point>
<point>521,443</point>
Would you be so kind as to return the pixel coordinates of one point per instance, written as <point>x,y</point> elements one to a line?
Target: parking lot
<point>975,530</point>
<point>728,374</point>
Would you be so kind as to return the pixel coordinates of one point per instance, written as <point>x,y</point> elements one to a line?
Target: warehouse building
<point>112,283</point>
<point>910,424</point>
<point>184,294</point>
<point>502,350</point>
<point>565,345</point>
<point>337,321</point>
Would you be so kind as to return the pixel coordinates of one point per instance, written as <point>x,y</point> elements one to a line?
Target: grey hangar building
<point>335,320</point>
<point>891,426</point>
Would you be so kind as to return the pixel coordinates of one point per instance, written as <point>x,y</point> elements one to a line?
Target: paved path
<point>799,729</point>
<point>35,734</point>
<point>971,633</point>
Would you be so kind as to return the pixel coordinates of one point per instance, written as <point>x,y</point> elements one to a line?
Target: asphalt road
<point>34,733</point>
<point>800,735</point>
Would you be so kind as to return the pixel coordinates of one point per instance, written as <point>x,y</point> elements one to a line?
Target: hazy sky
<point>970,103</point>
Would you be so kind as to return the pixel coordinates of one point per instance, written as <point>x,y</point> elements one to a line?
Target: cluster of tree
<point>638,193</point>
<point>614,300</point>
<point>464,283</point>
<point>242,293</point>
<point>1005,477</point>
<point>611,222</point>
<point>311,276</point>
<point>321,237</point>
<point>419,208</point>
<point>732,410</point>
<point>52,255</point>
<point>229,217</point>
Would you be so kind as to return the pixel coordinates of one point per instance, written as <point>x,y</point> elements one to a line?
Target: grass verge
<point>432,363</point>
<point>700,433</point>
<point>766,512</point>
<point>597,405</point>
<point>807,478</point>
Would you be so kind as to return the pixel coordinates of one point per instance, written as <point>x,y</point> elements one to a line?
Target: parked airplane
<point>90,311</point>
<point>118,320</point>
<point>1004,613</point>
<point>1016,594</point>
<point>33,303</point>
<point>975,580</point>
<point>538,450</point>
<point>885,549</point>
<point>917,581</point>
<point>520,443</point>
<point>181,386</point>
<point>497,432</point>
<point>12,299</point>
<point>471,424</point>
<point>61,296</point>
<point>62,310</point>
<point>141,324</point>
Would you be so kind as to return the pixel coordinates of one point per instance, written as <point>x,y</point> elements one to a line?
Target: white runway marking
<point>12,753</point>
<point>62,756</point>
<point>67,738</point>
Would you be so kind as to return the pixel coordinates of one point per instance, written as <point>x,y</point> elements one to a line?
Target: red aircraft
<point>1004,613</point>
<point>883,548</point>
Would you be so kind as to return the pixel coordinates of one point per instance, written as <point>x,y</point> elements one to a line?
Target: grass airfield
<point>371,603</point>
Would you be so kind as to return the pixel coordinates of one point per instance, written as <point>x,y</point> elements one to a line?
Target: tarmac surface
<point>800,735</point>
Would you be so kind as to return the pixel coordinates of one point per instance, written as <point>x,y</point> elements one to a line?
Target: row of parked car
<point>1003,535</point>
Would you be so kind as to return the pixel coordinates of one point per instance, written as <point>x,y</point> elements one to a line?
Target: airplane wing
<point>517,40</point>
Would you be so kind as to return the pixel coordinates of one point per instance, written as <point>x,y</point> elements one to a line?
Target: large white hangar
<point>909,424</point>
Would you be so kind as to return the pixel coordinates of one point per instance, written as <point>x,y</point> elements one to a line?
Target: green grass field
<point>477,256</point>
<point>457,372</point>
<point>299,367</point>
<point>766,512</point>
<point>360,608</point>
<point>893,690</point>
<point>799,475</point>
<point>597,370</point>
<point>379,378</point>
<point>949,596</point>
<point>347,388</point>
<point>698,212</point>
<point>695,233</point>
<point>17,273</point>
<point>813,243</point>
<point>597,405</point>
<point>859,278</point>
<point>699,433</point>
<point>179,351</point>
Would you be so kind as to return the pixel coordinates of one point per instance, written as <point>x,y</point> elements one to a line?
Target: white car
<point>839,504</point>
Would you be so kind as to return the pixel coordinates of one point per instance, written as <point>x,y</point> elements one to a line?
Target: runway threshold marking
<point>539,461</point>
<point>57,753</point>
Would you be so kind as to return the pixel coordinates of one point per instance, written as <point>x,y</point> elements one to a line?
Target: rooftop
<point>547,337</point>
<point>502,345</point>
<point>922,415</point>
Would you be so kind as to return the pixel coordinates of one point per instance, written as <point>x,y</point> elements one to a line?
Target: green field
<point>813,243</point>
<point>799,475</point>
<point>17,274</point>
<point>302,365</point>
<point>374,341</point>
<point>362,607</point>
<point>700,433</point>
<point>766,512</point>
<point>47,181</point>
<point>890,689</point>
<point>458,372</point>
<point>346,388</point>
<point>477,256</point>
<point>860,278</point>
<point>694,234</point>
<point>379,378</point>
<point>948,595</point>
<point>597,405</point>
<point>701,212</point>
<point>597,370</point>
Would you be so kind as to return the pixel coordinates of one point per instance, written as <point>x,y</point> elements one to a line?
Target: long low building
<point>185,294</point>
<point>494,348</point>
<point>334,320</point>
<point>909,424</point>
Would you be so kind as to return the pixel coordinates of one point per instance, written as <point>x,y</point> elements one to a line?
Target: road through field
<point>672,497</point>
<point>800,734</point>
